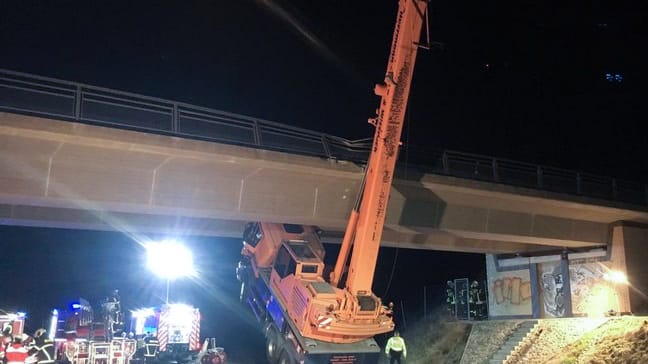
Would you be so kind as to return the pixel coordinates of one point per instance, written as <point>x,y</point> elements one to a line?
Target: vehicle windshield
<point>301,250</point>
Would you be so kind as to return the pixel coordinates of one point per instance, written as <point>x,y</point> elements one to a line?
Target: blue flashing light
<point>276,312</point>
<point>75,306</point>
<point>21,314</point>
<point>614,77</point>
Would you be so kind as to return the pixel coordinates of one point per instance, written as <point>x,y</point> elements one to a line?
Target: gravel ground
<point>553,341</point>
<point>435,340</point>
<point>619,340</point>
<point>485,339</point>
<point>565,341</point>
<point>551,336</point>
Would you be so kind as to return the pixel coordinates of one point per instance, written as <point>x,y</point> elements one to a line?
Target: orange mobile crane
<point>307,319</point>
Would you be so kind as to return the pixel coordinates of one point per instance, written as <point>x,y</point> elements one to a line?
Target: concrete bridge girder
<point>466,218</point>
<point>67,174</point>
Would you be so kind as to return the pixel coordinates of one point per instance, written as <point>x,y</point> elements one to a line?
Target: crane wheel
<point>272,345</point>
<point>244,289</point>
<point>285,359</point>
<point>211,359</point>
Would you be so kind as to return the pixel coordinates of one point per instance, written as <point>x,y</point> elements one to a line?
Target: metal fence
<point>59,99</point>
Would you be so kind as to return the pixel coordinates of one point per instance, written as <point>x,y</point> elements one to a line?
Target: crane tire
<point>272,345</point>
<point>284,358</point>
<point>244,288</point>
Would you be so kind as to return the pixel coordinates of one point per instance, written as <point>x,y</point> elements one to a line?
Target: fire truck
<point>14,323</point>
<point>14,320</point>
<point>81,338</point>
<point>307,318</point>
<point>171,333</point>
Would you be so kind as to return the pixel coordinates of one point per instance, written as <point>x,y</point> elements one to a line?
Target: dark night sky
<point>518,79</point>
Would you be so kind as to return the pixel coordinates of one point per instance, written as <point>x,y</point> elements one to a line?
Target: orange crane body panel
<point>384,153</point>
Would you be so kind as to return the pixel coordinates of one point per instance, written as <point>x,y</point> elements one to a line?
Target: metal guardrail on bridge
<point>59,99</point>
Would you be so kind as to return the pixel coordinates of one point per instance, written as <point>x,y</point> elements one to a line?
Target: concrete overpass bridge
<point>80,156</point>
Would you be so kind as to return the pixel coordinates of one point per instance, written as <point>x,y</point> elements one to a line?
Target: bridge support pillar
<point>635,246</point>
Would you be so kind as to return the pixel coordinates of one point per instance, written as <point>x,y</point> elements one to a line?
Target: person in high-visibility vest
<point>450,298</point>
<point>16,352</point>
<point>5,341</point>
<point>396,348</point>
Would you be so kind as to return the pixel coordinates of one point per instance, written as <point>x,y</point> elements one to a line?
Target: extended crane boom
<point>366,224</point>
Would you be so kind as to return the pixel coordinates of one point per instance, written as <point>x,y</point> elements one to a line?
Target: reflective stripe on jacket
<point>44,353</point>
<point>396,343</point>
<point>16,353</point>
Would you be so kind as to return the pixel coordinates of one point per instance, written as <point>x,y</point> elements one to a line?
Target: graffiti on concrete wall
<point>509,292</point>
<point>553,293</point>
<point>592,295</point>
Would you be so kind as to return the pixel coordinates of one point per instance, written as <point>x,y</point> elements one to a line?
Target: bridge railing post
<point>579,183</point>
<point>77,102</point>
<point>175,119</point>
<point>326,147</point>
<point>444,161</point>
<point>495,171</point>
<point>257,133</point>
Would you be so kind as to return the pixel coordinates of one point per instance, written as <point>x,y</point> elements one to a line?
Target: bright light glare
<point>601,298</point>
<point>140,317</point>
<point>170,260</point>
<point>616,276</point>
<point>143,313</point>
<point>180,320</point>
<point>180,314</point>
<point>53,322</point>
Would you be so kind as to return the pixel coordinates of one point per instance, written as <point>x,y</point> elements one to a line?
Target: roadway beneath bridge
<point>71,175</point>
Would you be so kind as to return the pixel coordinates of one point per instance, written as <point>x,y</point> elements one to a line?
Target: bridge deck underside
<point>64,174</point>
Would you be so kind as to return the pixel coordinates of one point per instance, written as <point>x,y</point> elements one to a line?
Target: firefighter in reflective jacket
<point>43,348</point>
<point>396,348</point>
<point>16,352</point>
<point>450,298</point>
<point>5,340</point>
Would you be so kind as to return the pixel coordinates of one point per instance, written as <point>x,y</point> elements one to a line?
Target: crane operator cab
<point>297,258</point>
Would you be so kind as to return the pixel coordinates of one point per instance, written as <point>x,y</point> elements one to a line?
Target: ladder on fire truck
<point>117,351</point>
